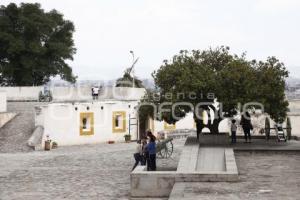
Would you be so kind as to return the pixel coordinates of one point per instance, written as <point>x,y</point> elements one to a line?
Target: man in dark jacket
<point>247,126</point>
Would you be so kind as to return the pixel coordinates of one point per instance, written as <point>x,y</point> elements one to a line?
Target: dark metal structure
<point>164,148</point>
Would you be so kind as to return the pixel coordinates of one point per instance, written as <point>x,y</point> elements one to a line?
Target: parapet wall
<point>3,105</point>
<point>73,93</point>
<point>22,93</point>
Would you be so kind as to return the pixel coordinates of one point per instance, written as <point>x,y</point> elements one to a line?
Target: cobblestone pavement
<point>14,135</point>
<point>75,172</point>
<point>264,175</point>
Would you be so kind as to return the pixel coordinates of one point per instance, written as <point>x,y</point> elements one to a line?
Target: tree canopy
<point>34,45</point>
<point>233,80</point>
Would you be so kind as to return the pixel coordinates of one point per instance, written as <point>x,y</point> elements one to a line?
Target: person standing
<point>137,155</point>
<point>247,126</point>
<point>93,95</point>
<point>144,152</point>
<point>233,131</point>
<point>95,92</point>
<point>151,150</point>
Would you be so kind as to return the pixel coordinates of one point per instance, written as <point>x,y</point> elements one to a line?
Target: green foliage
<point>232,78</point>
<point>34,45</point>
<point>128,81</point>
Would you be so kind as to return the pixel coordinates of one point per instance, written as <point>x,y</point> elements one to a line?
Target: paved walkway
<point>14,134</point>
<point>75,172</point>
<point>267,176</point>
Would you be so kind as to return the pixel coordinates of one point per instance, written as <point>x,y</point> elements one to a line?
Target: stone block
<point>214,139</point>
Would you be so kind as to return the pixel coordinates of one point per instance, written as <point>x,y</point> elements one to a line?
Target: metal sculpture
<point>164,148</point>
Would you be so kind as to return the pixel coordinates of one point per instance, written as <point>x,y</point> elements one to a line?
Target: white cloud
<point>157,29</point>
<point>275,6</point>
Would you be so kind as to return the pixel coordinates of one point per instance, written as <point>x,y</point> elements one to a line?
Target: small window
<point>86,123</point>
<point>169,126</point>
<point>119,122</point>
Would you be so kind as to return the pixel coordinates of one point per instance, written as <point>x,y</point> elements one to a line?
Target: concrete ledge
<point>151,184</point>
<point>159,184</point>
<point>207,139</point>
<point>35,141</point>
<point>6,117</point>
<point>177,191</point>
<point>230,163</point>
<point>189,155</point>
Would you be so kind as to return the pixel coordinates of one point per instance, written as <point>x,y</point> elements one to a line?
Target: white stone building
<point>74,118</point>
<point>75,121</point>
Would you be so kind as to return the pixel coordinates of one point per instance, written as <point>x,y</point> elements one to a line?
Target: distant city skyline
<point>156,30</point>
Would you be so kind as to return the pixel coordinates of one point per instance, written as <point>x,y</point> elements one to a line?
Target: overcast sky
<point>157,29</point>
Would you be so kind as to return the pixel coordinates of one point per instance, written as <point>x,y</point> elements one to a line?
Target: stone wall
<point>73,93</point>
<point>22,93</point>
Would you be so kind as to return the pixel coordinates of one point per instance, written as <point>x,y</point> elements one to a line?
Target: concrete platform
<point>259,143</point>
<point>211,159</point>
<point>266,145</point>
<point>263,175</point>
<point>196,164</point>
<point>208,139</point>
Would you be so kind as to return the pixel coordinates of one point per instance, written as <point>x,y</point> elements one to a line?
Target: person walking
<point>233,131</point>
<point>137,155</point>
<point>247,126</point>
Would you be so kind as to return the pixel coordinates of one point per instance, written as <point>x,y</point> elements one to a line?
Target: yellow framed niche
<point>86,123</point>
<point>169,126</point>
<point>119,121</point>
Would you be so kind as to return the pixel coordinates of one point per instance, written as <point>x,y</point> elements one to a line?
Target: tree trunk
<point>212,125</point>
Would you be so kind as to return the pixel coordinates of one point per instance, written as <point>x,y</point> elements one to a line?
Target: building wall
<point>3,105</point>
<point>62,122</point>
<point>295,123</point>
<point>185,123</point>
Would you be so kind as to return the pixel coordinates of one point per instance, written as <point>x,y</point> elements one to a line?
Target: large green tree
<point>34,45</point>
<point>216,74</point>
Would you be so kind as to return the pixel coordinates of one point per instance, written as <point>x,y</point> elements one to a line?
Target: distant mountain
<point>293,82</point>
